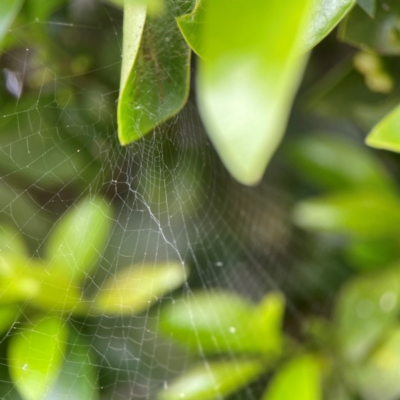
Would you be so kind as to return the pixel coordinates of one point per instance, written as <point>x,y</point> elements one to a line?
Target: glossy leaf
<point>334,163</point>
<point>386,134</point>
<point>379,34</point>
<point>325,16</point>
<point>299,379</point>
<point>369,6</point>
<point>246,85</point>
<point>134,290</point>
<point>155,70</point>
<point>211,381</point>
<point>223,322</point>
<point>361,214</point>
<point>8,11</point>
<point>77,378</point>
<point>78,239</point>
<point>35,357</point>
<point>378,377</point>
<point>366,307</point>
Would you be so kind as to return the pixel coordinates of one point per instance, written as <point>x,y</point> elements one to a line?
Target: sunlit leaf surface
<point>369,6</point>
<point>211,381</point>
<point>35,357</point>
<point>8,11</point>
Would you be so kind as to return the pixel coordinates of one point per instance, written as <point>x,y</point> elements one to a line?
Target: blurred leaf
<point>11,241</point>
<point>299,379</point>
<point>154,7</point>
<point>331,162</point>
<point>42,10</point>
<point>380,34</point>
<point>378,377</point>
<point>8,315</point>
<point>369,6</point>
<point>385,135</point>
<point>325,16</point>
<point>77,379</point>
<point>247,84</point>
<point>35,357</point>
<point>224,322</point>
<point>366,307</point>
<point>78,239</point>
<point>212,380</point>
<point>8,11</point>
<point>362,214</point>
<point>134,290</point>
<point>155,70</point>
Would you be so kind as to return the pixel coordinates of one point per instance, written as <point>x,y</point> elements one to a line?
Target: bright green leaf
<point>249,78</point>
<point>326,15</point>
<point>332,162</point>
<point>369,6</point>
<point>76,243</point>
<point>379,34</point>
<point>386,134</point>
<point>212,381</point>
<point>367,306</point>
<point>8,11</point>
<point>35,357</point>
<point>134,290</point>
<point>224,322</point>
<point>362,214</point>
<point>77,379</point>
<point>8,315</point>
<point>155,70</point>
<point>299,379</point>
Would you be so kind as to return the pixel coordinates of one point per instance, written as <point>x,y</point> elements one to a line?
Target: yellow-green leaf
<point>211,381</point>
<point>8,11</point>
<point>35,357</point>
<point>247,83</point>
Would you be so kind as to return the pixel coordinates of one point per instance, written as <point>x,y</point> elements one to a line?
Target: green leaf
<point>42,10</point>
<point>248,81</point>
<point>213,380</point>
<point>378,377</point>
<point>11,241</point>
<point>8,11</point>
<point>155,70</point>
<point>385,135</point>
<point>77,241</point>
<point>330,162</point>
<point>380,34</point>
<point>224,322</point>
<point>325,16</point>
<point>369,6</point>
<point>8,315</point>
<point>299,379</point>
<point>35,357</point>
<point>361,214</point>
<point>134,290</point>
<point>77,379</point>
<point>366,307</point>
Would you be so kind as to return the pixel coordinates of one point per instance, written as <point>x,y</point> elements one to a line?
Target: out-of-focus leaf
<point>35,357</point>
<point>367,306</point>
<point>8,11</point>
<point>41,10</point>
<point>326,15</point>
<point>368,255</point>
<point>369,6</point>
<point>380,34</point>
<point>11,241</point>
<point>155,70</point>
<point>378,377</point>
<point>332,162</point>
<point>8,315</point>
<point>223,322</point>
<point>154,7</point>
<point>77,379</point>
<point>212,381</point>
<point>386,134</point>
<point>299,379</point>
<point>362,214</point>
<point>247,82</point>
<point>78,239</point>
<point>134,290</point>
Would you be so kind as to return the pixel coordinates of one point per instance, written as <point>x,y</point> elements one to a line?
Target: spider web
<point>172,199</point>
